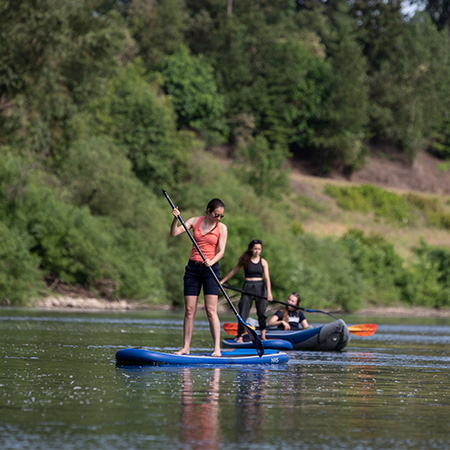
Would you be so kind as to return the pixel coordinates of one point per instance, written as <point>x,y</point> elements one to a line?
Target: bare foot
<point>240,340</point>
<point>216,353</point>
<point>183,351</point>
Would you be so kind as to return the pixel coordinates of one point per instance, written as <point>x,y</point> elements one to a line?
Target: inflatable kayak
<point>139,356</point>
<point>331,336</point>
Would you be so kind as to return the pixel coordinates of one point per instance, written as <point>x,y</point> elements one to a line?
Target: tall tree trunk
<point>229,8</point>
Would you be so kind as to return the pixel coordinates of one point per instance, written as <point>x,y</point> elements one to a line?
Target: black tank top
<point>254,270</point>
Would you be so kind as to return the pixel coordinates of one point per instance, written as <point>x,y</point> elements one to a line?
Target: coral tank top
<point>207,242</point>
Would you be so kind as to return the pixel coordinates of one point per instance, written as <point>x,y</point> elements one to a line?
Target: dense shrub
<point>427,283</point>
<point>189,81</point>
<point>432,209</point>
<point>321,271</point>
<point>20,277</point>
<point>378,263</point>
<point>368,198</point>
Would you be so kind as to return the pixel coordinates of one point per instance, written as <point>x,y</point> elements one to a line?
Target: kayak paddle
<point>252,333</point>
<point>281,303</point>
<point>365,329</point>
<point>232,327</point>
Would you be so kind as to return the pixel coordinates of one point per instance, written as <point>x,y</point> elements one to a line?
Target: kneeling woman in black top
<point>289,317</point>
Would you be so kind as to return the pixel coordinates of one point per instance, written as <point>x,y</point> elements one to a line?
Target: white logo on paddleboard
<point>274,360</point>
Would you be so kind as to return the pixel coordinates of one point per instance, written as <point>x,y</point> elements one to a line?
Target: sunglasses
<point>218,216</point>
<point>257,241</point>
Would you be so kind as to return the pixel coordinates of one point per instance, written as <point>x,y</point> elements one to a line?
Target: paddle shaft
<point>256,340</point>
<point>281,303</point>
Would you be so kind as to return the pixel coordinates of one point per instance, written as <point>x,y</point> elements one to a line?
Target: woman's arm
<point>265,265</point>
<point>221,245</point>
<point>230,274</point>
<point>304,323</point>
<point>175,229</point>
<point>275,321</point>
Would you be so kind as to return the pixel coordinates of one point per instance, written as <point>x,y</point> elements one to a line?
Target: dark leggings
<point>245,304</point>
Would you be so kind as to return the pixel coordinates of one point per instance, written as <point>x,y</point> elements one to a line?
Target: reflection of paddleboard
<point>274,344</point>
<point>137,356</point>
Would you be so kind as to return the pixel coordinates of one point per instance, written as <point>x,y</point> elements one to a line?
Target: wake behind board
<point>138,356</point>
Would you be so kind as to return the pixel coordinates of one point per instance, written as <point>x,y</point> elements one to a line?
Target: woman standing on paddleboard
<point>257,281</point>
<point>211,236</point>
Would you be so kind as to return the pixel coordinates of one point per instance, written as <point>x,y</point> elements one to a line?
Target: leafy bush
<point>189,81</point>
<point>376,260</point>
<point>427,282</point>
<point>321,271</point>
<point>367,198</point>
<point>20,277</point>
<point>261,166</point>
<point>143,125</point>
<point>433,210</point>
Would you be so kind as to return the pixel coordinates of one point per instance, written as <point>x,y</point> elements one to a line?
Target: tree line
<point>104,102</point>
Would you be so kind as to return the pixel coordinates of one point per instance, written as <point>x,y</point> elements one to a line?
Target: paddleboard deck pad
<point>140,356</point>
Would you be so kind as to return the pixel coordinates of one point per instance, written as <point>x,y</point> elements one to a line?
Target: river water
<point>60,388</point>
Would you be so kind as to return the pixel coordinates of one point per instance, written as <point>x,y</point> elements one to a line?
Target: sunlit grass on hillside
<point>327,218</point>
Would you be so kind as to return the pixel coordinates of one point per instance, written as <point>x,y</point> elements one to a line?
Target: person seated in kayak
<point>289,317</point>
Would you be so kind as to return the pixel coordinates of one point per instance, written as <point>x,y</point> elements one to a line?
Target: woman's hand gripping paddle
<point>252,333</point>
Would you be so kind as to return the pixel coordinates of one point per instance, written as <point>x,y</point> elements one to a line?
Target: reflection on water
<point>200,415</point>
<point>251,400</point>
<point>61,389</point>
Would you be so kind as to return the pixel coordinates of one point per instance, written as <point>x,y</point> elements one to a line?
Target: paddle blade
<point>253,337</point>
<point>230,328</point>
<point>365,329</point>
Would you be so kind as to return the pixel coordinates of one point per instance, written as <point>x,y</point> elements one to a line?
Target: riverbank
<point>95,304</point>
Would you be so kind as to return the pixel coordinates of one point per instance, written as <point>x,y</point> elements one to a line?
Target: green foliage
<point>189,80</point>
<point>295,82</point>
<point>55,55</point>
<point>157,27</point>
<point>440,145</point>
<point>345,117</point>
<point>321,271</point>
<point>433,210</point>
<point>262,167</point>
<point>375,259</point>
<point>368,198</point>
<point>88,139</point>
<point>426,282</point>
<point>410,89</point>
<point>143,124</point>
<point>77,248</point>
<point>20,277</point>
<point>97,174</point>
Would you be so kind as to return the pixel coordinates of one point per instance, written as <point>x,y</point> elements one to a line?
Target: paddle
<point>252,333</point>
<point>366,329</point>
<point>281,303</point>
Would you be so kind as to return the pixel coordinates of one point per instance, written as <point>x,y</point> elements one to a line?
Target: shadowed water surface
<point>60,388</point>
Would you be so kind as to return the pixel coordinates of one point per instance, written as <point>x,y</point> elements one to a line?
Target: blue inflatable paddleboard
<point>138,356</point>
